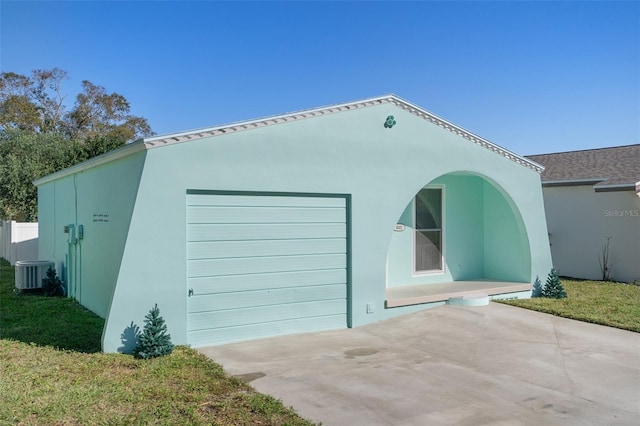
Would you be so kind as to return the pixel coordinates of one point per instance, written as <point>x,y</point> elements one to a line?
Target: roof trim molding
<point>225,129</point>
<point>596,183</point>
<point>175,138</point>
<point>163,140</point>
<point>572,182</point>
<point>415,110</point>
<point>616,187</point>
<point>117,153</point>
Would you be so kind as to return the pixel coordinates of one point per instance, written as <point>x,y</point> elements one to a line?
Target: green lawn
<point>52,372</point>
<point>613,304</point>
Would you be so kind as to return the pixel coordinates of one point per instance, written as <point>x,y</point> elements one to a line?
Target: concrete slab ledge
<point>442,292</point>
<point>479,299</point>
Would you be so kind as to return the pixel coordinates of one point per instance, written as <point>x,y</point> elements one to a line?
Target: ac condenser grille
<point>29,273</point>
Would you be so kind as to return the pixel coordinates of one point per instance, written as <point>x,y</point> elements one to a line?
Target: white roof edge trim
<point>174,138</point>
<point>416,110</point>
<point>107,157</point>
<point>161,138</point>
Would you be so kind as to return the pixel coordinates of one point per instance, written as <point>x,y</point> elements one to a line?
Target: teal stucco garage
<point>326,218</point>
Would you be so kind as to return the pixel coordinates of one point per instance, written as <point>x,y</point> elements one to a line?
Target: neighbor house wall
<point>345,153</point>
<point>101,200</point>
<point>581,220</point>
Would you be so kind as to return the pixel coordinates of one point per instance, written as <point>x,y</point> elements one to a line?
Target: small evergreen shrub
<point>553,288</point>
<point>154,341</point>
<point>536,291</point>
<point>52,285</point>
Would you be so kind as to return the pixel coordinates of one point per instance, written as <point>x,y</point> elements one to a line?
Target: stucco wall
<point>483,236</point>
<point>101,200</point>
<point>348,152</point>
<point>463,210</point>
<point>580,220</point>
<point>507,255</point>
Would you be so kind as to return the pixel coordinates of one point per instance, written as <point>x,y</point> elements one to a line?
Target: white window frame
<point>442,234</point>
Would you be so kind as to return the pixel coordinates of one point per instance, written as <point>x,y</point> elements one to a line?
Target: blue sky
<point>533,77</point>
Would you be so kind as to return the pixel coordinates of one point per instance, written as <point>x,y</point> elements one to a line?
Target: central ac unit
<point>29,273</point>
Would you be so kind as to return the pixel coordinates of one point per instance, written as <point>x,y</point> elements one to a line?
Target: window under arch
<point>428,239</point>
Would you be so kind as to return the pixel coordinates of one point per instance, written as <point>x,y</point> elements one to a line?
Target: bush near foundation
<point>553,288</point>
<point>154,341</point>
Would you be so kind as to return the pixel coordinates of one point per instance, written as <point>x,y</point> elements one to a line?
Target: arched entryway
<point>459,229</point>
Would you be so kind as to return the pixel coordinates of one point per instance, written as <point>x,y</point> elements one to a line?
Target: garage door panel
<point>238,283</point>
<point>249,232</point>
<point>245,299</point>
<point>218,214</point>
<point>260,314</point>
<point>263,201</point>
<point>260,265</point>
<point>268,329</point>
<point>227,249</point>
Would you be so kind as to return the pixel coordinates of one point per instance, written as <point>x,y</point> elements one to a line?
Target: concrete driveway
<point>489,365</point>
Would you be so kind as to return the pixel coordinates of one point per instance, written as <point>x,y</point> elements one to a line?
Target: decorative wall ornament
<point>390,122</point>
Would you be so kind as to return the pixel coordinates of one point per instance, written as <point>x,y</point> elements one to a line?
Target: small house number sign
<point>100,217</point>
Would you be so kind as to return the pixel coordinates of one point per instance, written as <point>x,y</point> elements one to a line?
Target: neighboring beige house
<point>592,204</point>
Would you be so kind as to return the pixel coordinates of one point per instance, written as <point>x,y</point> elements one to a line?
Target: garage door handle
<point>190,292</point>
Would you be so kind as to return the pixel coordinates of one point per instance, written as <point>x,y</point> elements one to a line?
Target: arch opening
<point>471,223</point>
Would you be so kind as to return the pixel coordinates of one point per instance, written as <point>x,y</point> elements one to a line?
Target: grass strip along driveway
<point>52,372</point>
<point>599,302</point>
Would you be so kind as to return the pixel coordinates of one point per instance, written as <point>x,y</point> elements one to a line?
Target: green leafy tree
<point>553,287</point>
<point>36,103</point>
<point>25,157</point>
<point>38,136</point>
<point>98,113</point>
<point>153,341</point>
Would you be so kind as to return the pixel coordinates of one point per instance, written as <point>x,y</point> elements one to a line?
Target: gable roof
<point>607,169</point>
<point>162,140</point>
<point>175,138</point>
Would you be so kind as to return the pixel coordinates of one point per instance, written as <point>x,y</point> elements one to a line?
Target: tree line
<point>39,135</point>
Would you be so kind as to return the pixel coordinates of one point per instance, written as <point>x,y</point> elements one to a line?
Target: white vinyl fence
<point>18,241</point>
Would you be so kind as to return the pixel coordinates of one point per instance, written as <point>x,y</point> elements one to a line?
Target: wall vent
<point>29,273</point>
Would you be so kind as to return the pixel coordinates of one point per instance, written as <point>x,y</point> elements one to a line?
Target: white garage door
<point>264,265</point>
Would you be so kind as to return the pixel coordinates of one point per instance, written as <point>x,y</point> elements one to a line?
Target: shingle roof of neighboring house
<point>615,168</point>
